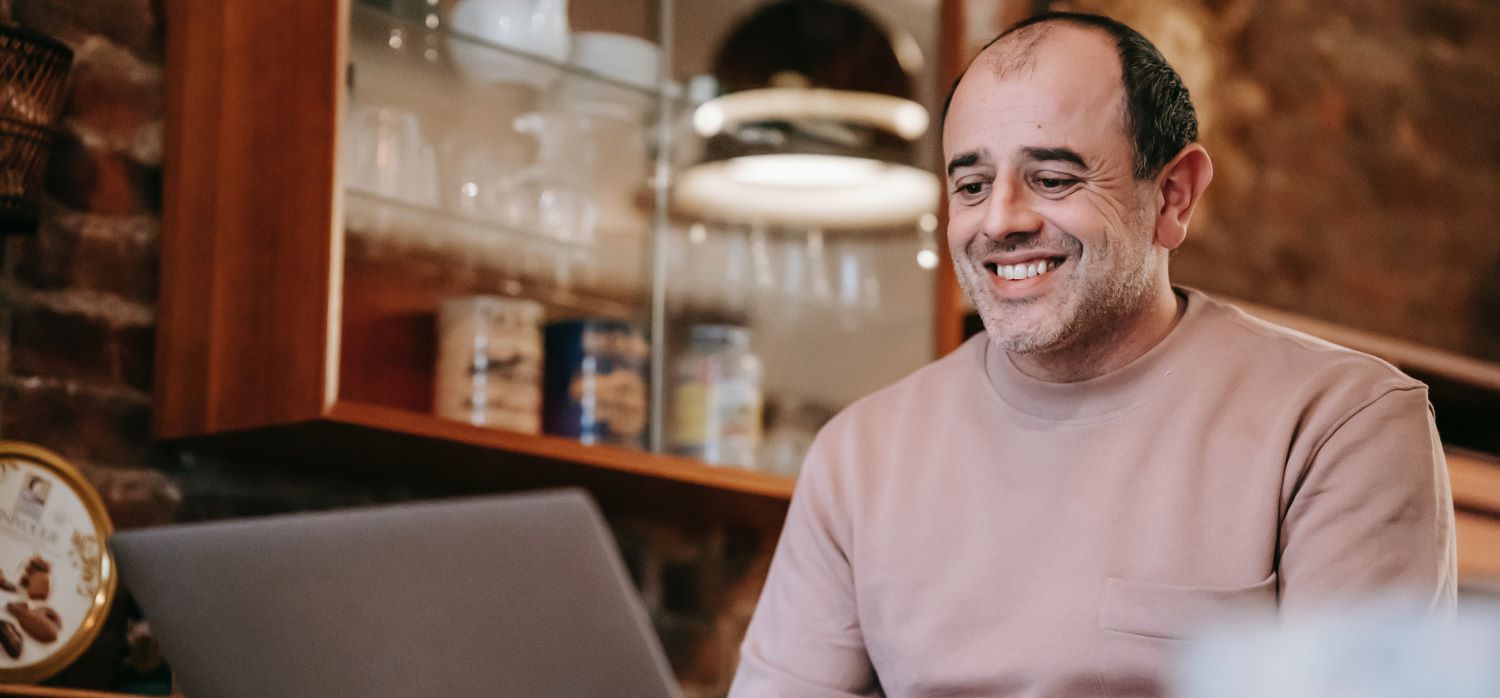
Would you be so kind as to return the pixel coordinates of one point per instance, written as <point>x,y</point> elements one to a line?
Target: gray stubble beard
<point>1101,304</point>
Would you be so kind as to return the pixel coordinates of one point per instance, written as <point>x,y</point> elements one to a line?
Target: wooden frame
<point>247,318</point>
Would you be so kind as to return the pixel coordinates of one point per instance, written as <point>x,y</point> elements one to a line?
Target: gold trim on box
<point>91,552</point>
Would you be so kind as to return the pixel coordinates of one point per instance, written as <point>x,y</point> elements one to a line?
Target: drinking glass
<point>387,155</point>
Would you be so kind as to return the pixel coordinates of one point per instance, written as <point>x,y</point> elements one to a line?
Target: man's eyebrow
<point>968,159</point>
<point>1057,155</point>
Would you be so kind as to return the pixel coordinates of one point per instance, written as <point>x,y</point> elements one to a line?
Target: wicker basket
<point>23,163</point>
<point>33,87</point>
<point>33,75</point>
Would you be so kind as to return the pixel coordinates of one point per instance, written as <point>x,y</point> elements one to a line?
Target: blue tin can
<point>594,388</point>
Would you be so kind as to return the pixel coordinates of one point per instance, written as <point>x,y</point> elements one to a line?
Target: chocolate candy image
<point>38,586</point>
<point>10,639</point>
<point>41,623</point>
<point>37,580</point>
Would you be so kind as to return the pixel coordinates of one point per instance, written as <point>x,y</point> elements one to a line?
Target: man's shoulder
<point>1282,355</point>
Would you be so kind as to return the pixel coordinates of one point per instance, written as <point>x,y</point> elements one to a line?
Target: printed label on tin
<point>50,563</point>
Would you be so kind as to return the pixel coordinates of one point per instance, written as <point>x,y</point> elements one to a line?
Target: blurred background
<point>1356,194</point>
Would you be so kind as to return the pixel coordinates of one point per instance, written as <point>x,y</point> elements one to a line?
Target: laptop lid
<point>518,595</point>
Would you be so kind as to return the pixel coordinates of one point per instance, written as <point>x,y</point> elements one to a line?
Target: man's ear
<point>1179,187</point>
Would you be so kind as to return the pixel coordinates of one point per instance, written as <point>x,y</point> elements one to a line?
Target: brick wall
<point>77,321</point>
<point>79,297</point>
<point>1356,162</point>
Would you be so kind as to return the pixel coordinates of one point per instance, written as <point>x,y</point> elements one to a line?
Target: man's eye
<point>1055,183</point>
<point>971,189</point>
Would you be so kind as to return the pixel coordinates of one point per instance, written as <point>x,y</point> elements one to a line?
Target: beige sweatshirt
<point>970,531</point>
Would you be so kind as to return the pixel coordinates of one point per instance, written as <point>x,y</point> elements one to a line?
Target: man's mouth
<point>1025,269</point>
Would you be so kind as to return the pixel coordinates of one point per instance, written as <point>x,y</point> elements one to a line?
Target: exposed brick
<point>108,254</point>
<point>1352,177</point>
<point>115,101</point>
<point>133,23</point>
<point>96,180</point>
<point>79,423</point>
<point>133,355</point>
<point>45,342</point>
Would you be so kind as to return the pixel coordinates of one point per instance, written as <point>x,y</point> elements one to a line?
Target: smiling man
<point>1048,509</point>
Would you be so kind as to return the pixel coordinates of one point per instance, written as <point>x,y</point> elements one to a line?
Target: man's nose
<point>1009,211</point>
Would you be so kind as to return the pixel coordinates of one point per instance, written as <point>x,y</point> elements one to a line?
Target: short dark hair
<point>1159,114</point>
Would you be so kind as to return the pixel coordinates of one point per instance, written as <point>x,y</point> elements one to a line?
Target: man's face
<point>1051,234</point>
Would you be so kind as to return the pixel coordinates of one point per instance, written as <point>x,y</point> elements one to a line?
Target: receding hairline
<point>1016,52</point>
<point>1010,54</point>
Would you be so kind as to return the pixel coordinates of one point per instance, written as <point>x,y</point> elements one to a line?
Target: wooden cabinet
<point>278,332</point>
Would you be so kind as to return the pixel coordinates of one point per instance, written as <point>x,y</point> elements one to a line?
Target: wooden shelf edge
<point>684,470</point>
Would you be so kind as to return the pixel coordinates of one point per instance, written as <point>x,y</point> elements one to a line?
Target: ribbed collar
<point>1101,397</point>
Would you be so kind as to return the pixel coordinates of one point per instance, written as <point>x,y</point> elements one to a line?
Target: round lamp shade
<point>815,190</point>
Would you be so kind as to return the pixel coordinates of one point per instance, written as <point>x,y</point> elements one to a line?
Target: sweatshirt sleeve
<point>805,639</point>
<point>1374,513</point>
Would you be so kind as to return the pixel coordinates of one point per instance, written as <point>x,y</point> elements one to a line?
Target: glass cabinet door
<point>506,262</point>
<point>495,183</point>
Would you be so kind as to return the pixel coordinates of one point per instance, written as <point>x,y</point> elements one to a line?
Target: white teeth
<point>1016,272</point>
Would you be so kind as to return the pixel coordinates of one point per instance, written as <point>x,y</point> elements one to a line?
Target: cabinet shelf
<point>385,220</point>
<point>436,251</point>
<point>555,448</point>
<point>370,439</point>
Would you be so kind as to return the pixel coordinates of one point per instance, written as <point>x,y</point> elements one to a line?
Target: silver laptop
<point>521,595</point>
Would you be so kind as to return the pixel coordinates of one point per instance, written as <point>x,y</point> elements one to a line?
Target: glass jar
<point>717,397</point>
<point>489,362</point>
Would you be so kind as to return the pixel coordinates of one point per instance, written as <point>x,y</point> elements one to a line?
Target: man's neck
<point>1091,357</point>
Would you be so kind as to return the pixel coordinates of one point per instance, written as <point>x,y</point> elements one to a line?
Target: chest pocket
<point>1167,611</point>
